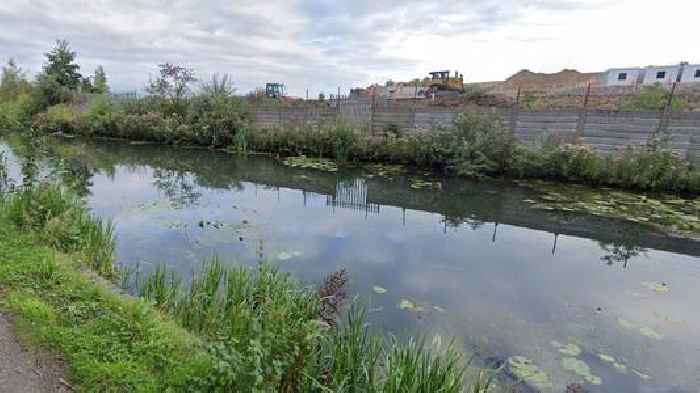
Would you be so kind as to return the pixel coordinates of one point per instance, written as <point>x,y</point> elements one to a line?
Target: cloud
<point>307,44</point>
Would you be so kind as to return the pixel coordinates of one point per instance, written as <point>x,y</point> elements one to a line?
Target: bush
<point>59,118</point>
<point>15,114</point>
<point>62,221</point>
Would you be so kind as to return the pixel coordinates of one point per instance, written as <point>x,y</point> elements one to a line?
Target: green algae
<point>524,369</point>
<point>651,333</point>
<point>384,170</point>
<point>641,375</point>
<point>570,349</point>
<point>409,305</point>
<point>379,290</point>
<point>606,358</point>
<point>419,183</point>
<point>620,367</point>
<point>658,287</point>
<point>580,368</point>
<point>287,255</point>
<point>626,324</point>
<point>304,162</point>
<point>669,212</point>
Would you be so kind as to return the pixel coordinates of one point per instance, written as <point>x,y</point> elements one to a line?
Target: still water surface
<point>500,278</point>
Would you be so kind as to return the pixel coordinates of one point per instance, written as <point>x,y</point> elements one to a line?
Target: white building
<point>691,74</point>
<point>623,77</point>
<point>651,75</point>
<point>665,75</point>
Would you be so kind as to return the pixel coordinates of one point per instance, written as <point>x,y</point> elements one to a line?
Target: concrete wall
<point>604,131</point>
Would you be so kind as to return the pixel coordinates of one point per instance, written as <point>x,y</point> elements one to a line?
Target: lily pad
<point>651,333</point>
<point>285,256</point>
<point>580,368</point>
<point>379,290</point>
<point>641,375</point>
<point>658,287</point>
<point>625,323</point>
<point>409,305</point>
<point>525,370</point>
<point>570,349</point>
<point>620,367</point>
<point>606,358</point>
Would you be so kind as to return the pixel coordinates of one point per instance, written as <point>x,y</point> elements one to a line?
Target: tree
<point>13,81</point>
<point>173,83</point>
<point>86,85</point>
<point>99,81</point>
<point>60,65</point>
<point>172,87</point>
<point>218,86</point>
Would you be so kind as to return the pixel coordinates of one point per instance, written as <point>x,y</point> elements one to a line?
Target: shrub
<point>62,221</point>
<point>58,118</point>
<point>15,114</point>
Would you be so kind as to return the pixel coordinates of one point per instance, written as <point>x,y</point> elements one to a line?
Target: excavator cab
<point>275,90</point>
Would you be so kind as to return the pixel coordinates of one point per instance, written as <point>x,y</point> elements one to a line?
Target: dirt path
<point>25,372</point>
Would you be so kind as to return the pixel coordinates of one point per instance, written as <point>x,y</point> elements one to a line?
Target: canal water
<point>609,303</point>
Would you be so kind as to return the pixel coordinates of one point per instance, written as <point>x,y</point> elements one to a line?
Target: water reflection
<point>501,278</point>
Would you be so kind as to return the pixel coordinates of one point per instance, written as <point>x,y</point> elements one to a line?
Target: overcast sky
<point>323,44</point>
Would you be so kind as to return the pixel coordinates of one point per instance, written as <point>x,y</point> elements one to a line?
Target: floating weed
<point>580,368</point>
<point>419,183</point>
<point>285,256</point>
<point>641,375</point>
<point>669,212</point>
<point>409,305</point>
<point>385,171</point>
<point>379,290</point>
<point>304,162</point>
<point>651,333</point>
<point>658,287</point>
<point>625,323</point>
<point>570,349</point>
<point>525,370</point>
<point>620,367</point>
<point>606,358</point>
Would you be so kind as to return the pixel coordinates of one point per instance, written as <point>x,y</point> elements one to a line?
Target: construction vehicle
<point>275,90</point>
<point>441,82</point>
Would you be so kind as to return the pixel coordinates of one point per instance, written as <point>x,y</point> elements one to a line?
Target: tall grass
<point>269,333</point>
<point>62,221</point>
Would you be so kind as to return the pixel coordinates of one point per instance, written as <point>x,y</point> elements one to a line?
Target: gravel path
<point>25,372</point>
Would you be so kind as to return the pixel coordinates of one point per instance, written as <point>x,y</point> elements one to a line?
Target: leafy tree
<point>60,65</point>
<point>13,81</point>
<point>172,86</point>
<point>99,81</point>
<point>173,83</point>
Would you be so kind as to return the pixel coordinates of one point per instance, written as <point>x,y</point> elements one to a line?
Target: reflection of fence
<point>352,195</point>
<point>602,130</point>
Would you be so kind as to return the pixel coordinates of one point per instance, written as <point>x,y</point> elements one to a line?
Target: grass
<point>110,343</point>
<point>229,329</point>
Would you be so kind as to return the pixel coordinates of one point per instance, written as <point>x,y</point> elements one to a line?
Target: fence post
<point>514,113</point>
<point>371,115</point>
<point>583,113</point>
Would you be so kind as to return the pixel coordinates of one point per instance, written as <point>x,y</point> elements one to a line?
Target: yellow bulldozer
<point>442,81</point>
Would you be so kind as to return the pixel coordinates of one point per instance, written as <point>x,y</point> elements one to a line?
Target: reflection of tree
<point>622,250</point>
<point>177,186</point>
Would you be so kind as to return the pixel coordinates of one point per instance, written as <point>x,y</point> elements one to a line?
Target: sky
<point>321,45</point>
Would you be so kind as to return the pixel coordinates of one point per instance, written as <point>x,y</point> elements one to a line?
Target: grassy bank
<point>229,329</point>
